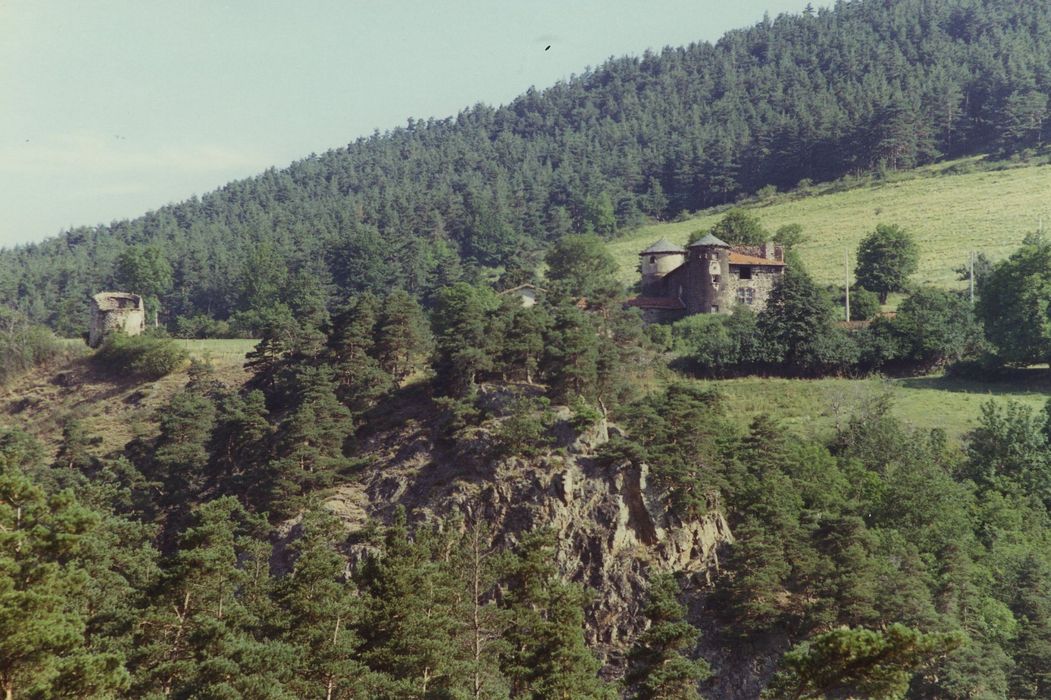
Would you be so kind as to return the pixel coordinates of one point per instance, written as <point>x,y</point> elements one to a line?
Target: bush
<point>24,346</point>
<point>526,432</point>
<point>141,356</point>
<point>706,341</point>
<point>864,305</point>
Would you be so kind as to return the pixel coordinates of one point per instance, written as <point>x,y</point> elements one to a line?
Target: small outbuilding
<point>115,311</point>
<point>529,294</point>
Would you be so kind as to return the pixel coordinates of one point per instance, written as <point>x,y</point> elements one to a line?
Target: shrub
<point>864,305</point>
<point>141,356</point>
<point>706,341</point>
<point>526,431</point>
<point>24,346</point>
<point>937,326</point>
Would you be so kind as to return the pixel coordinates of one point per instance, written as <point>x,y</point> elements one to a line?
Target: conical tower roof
<point>663,246</point>
<point>709,241</point>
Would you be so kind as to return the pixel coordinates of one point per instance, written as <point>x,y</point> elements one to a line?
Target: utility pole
<point>970,276</point>
<point>846,280</point>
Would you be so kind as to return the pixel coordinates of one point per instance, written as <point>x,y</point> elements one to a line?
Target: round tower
<point>708,271</point>
<point>657,261</point>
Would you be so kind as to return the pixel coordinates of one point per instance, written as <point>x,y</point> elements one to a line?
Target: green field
<point>949,215</point>
<point>225,351</point>
<point>813,407</point>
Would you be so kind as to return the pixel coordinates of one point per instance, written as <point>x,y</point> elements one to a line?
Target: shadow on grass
<point>1032,380</point>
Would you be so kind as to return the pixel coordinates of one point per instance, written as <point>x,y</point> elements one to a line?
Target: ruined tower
<point>115,311</point>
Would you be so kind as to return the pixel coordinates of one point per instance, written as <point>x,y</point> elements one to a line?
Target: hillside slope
<point>949,214</point>
<point>864,86</point>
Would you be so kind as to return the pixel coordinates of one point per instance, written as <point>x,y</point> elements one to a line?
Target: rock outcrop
<point>612,523</point>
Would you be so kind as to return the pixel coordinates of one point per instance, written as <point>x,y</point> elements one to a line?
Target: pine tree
<point>522,346</point>
<point>42,597</point>
<point>402,335</point>
<point>477,566</point>
<point>320,614</point>
<point>857,663</point>
<point>658,667</point>
<point>1032,647</point>
<point>198,638</point>
<point>460,321</point>
<point>548,657</point>
<point>352,352</point>
<point>180,459</point>
<point>571,356</point>
<point>310,440</point>
<point>241,444</point>
<point>410,630</point>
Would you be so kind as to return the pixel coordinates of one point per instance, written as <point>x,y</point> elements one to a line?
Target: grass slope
<point>949,214</point>
<point>812,407</point>
<point>115,409</point>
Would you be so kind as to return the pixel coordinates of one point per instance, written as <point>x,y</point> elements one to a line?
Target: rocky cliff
<point>612,523</point>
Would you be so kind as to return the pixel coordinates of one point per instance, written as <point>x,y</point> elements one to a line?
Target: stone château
<point>710,276</point>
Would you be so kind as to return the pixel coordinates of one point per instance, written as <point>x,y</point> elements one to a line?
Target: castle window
<point>715,279</point>
<point>653,259</point>
<point>745,273</point>
<point>746,295</point>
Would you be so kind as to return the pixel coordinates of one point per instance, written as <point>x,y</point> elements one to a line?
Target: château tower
<point>657,261</point>
<point>708,273</point>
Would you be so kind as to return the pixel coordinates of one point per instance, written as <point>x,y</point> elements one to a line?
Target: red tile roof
<point>655,303</point>
<point>742,259</point>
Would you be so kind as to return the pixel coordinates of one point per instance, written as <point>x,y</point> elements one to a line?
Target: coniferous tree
<point>411,633</point>
<point>320,614</point>
<point>658,664</point>
<point>198,637</point>
<point>571,354</point>
<point>310,441</point>
<point>523,334</point>
<point>42,621</point>
<point>402,336</point>
<point>547,657</point>
<point>461,336</point>
<point>352,352</point>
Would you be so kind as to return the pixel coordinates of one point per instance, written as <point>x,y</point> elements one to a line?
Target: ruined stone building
<point>113,311</point>
<point>709,276</point>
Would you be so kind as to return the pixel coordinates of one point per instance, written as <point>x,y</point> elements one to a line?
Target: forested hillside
<point>500,501</point>
<point>865,86</point>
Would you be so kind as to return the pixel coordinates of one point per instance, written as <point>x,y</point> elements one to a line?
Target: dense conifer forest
<point>863,86</point>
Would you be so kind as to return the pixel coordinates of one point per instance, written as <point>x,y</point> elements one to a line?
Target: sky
<point>112,108</point>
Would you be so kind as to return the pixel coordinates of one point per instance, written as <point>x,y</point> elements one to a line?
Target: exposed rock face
<point>612,524</point>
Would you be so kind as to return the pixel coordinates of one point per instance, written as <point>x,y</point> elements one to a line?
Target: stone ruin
<point>115,311</point>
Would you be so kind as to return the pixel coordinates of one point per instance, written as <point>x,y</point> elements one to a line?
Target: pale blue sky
<point>110,108</point>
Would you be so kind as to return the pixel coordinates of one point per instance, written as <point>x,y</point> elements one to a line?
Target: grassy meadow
<point>949,215</point>
<point>218,351</point>
<point>813,407</point>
